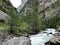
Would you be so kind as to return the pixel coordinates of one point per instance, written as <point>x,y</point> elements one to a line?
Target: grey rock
<point>54,40</point>
<point>22,5</point>
<point>17,41</point>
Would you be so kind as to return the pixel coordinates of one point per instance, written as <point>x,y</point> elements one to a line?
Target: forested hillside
<point>34,17</point>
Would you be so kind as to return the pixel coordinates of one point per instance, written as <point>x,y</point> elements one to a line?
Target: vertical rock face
<point>42,4</point>
<point>22,5</point>
<point>45,3</point>
<point>44,7</point>
<point>17,41</point>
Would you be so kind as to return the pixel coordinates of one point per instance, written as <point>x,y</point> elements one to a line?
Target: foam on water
<point>42,38</point>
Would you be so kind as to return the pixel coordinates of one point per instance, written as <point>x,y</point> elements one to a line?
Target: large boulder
<point>55,40</point>
<point>17,41</point>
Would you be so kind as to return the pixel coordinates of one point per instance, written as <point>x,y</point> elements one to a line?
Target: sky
<point>16,3</point>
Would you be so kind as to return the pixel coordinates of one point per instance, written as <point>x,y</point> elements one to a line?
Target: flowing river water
<point>42,37</point>
<point>39,39</point>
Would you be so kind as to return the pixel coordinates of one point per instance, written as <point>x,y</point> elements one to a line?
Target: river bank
<point>47,37</point>
<point>6,39</point>
<point>55,40</point>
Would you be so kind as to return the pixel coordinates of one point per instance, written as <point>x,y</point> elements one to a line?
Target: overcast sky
<point>16,3</point>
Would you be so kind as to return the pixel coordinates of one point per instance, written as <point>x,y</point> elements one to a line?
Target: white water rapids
<point>42,37</point>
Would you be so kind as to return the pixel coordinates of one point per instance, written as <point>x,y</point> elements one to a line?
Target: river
<point>42,37</point>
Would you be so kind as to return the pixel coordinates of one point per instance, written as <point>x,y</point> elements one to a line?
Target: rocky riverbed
<point>16,41</point>
<point>48,37</point>
<point>55,40</point>
<point>6,39</point>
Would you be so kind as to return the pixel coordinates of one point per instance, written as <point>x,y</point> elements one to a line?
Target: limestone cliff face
<point>42,5</point>
<point>45,3</point>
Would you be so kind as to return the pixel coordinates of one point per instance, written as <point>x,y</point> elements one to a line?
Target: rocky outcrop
<point>55,40</point>
<point>17,41</point>
<point>51,43</point>
<point>6,39</point>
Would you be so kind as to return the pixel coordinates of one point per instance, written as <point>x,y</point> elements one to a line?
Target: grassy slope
<point>3,26</point>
